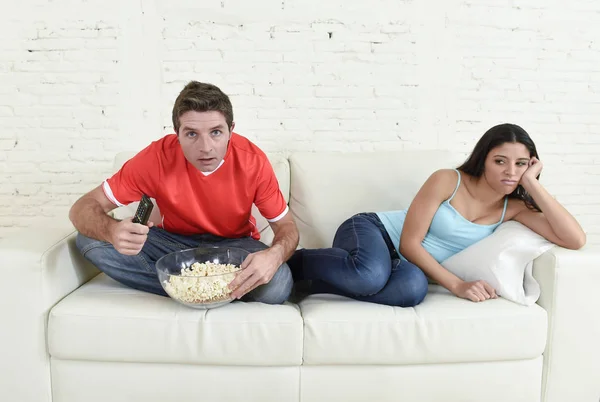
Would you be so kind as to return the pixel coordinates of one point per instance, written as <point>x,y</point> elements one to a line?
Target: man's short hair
<point>201,97</point>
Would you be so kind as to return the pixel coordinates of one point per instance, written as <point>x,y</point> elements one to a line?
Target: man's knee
<point>85,244</point>
<point>277,291</point>
<point>82,241</point>
<point>102,254</point>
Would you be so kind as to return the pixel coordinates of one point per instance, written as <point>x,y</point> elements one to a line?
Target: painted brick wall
<point>82,80</point>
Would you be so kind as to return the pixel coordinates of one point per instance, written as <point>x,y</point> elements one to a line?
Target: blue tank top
<point>449,232</point>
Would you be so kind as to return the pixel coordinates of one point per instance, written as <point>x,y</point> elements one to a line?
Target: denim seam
<point>169,243</point>
<point>93,245</point>
<point>374,219</point>
<point>145,263</point>
<point>358,245</point>
<point>357,241</point>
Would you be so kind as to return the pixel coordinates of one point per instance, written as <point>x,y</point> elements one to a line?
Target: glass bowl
<point>202,285</point>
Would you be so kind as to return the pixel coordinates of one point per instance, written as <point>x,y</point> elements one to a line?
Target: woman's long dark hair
<point>495,136</point>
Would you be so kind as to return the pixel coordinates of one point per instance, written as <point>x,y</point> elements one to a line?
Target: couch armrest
<point>570,282</point>
<point>39,267</point>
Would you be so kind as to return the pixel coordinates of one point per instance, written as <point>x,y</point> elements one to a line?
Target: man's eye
<point>216,133</point>
<point>191,134</point>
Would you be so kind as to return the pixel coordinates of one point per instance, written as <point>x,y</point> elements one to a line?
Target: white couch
<point>71,335</point>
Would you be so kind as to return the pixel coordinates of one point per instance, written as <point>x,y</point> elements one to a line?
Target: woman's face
<point>505,165</point>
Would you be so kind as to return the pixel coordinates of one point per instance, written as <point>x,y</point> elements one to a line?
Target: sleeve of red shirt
<point>138,176</point>
<point>268,199</point>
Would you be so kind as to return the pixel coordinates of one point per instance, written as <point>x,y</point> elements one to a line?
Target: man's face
<point>204,137</point>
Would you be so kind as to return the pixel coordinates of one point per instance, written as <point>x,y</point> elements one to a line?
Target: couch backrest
<point>328,187</point>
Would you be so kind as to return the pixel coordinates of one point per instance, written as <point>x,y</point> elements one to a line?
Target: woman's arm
<point>555,223</point>
<point>436,190</point>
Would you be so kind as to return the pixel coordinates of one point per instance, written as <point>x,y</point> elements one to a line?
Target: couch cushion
<point>442,329</point>
<point>329,187</point>
<point>106,321</point>
<point>282,172</point>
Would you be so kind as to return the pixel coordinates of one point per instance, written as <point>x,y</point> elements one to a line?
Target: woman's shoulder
<point>443,181</point>
<point>446,177</point>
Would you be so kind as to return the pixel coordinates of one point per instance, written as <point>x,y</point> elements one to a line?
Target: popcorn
<point>202,282</point>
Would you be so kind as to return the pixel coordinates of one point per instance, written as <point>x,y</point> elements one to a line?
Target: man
<point>204,179</point>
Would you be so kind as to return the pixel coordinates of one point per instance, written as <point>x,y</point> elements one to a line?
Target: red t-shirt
<point>191,202</point>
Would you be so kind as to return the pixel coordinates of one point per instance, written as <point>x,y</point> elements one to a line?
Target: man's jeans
<point>363,264</point>
<point>139,272</point>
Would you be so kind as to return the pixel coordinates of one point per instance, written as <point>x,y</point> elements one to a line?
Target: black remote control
<point>143,211</point>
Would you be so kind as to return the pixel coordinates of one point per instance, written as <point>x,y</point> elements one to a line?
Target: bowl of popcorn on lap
<point>199,277</point>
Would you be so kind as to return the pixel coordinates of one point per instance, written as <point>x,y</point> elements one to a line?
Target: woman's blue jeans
<point>363,264</point>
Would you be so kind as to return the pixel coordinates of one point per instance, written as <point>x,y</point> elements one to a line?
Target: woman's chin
<point>509,190</point>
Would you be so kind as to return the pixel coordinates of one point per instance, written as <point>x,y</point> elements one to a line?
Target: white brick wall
<point>82,80</point>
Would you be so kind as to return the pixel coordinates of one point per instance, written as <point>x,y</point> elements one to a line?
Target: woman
<point>384,257</point>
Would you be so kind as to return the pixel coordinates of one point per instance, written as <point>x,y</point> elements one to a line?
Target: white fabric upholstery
<point>505,261</point>
<point>514,381</point>
<point>127,325</point>
<point>39,267</point>
<point>79,381</point>
<point>106,342</point>
<point>326,188</point>
<point>442,329</point>
<point>570,281</point>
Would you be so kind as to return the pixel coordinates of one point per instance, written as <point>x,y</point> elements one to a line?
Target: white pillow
<point>504,260</point>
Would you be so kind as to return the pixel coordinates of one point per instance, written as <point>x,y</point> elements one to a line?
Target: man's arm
<point>89,215</point>
<point>260,267</point>
<point>286,238</point>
